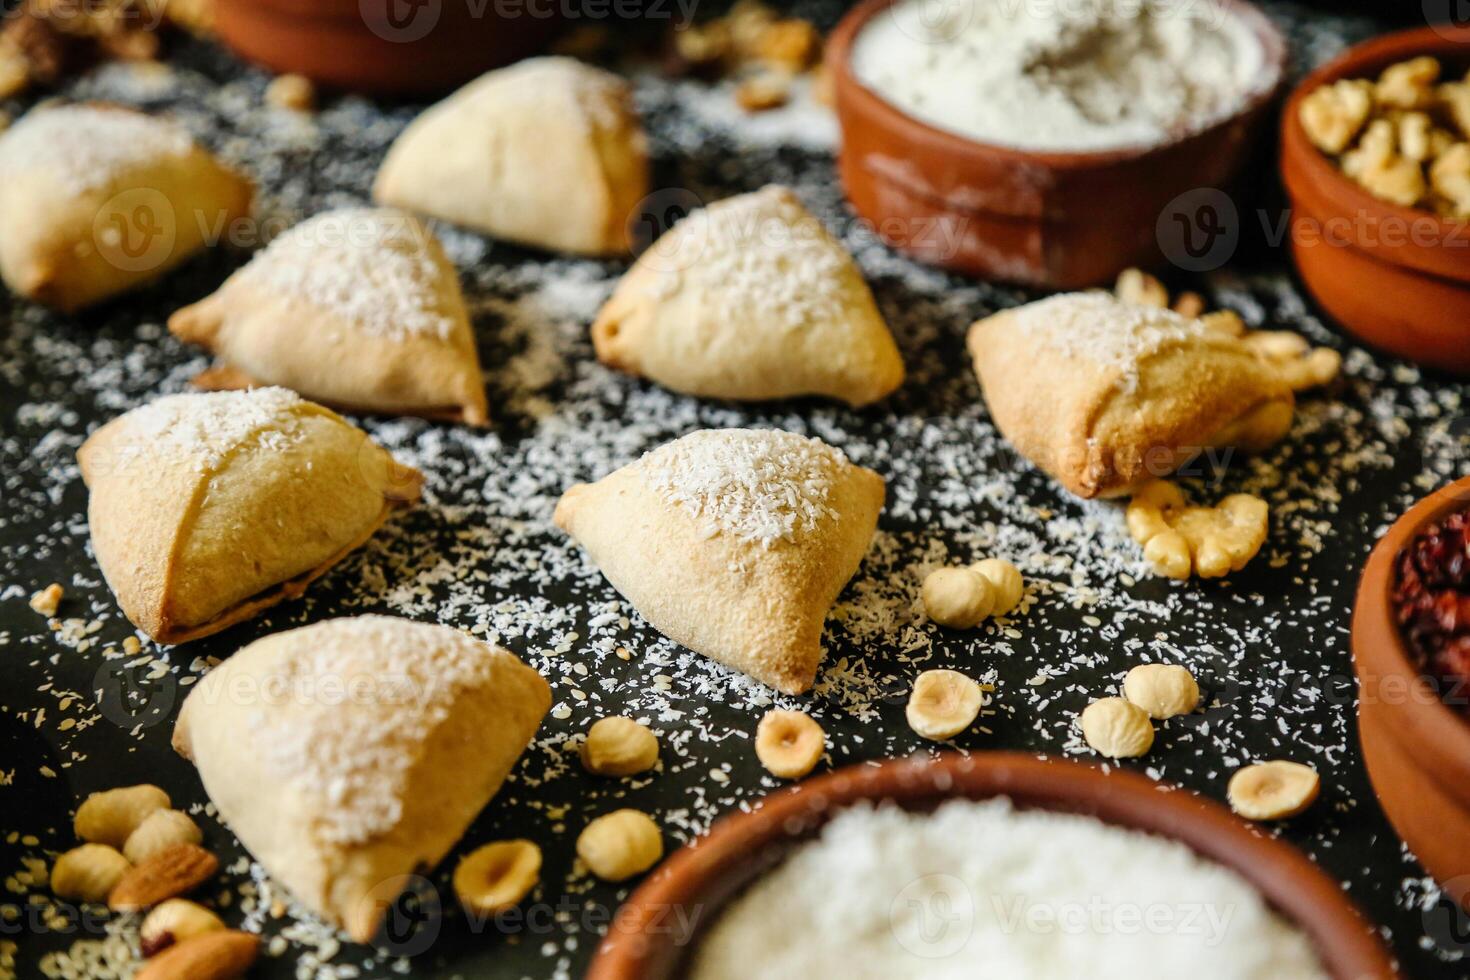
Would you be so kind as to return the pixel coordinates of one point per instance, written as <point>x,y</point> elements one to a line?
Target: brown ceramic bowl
<point>707,873</point>
<point>408,47</point>
<point>1416,748</point>
<point>1056,220</point>
<point>1397,277</point>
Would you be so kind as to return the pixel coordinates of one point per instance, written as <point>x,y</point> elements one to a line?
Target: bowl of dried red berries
<point>1411,653</point>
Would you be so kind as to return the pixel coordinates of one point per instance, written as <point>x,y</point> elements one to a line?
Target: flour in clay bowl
<point>1078,76</point>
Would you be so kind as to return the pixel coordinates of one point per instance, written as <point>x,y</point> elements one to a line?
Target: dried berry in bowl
<point>1432,604</point>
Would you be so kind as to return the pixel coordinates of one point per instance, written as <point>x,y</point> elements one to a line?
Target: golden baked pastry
<point>750,299</point>
<point>351,754</point>
<point>207,509</point>
<point>548,152</point>
<point>733,542</point>
<point>358,308</point>
<point>98,199</point>
<point>1105,395</point>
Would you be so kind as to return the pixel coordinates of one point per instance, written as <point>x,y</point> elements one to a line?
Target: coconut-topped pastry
<point>1105,395</point>
<point>750,299</point>
<point>358,308</point>
<point>343,798</point>
<point>548,152</point>
<point>733,542</point>
<point>207,509</point>
<point>98,199</point>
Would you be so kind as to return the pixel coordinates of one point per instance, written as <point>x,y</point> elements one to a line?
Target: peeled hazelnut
<point>1273,790</point>
<point>495,877</point>
<point>1005,582</point>
<point>1137,286</point>
<point>174,921</point>
<point>619,747</point>
<point>88,873</point>
<point>789,743</point>
<point>618,845</point>
<point>957,597</point>
<point>1163,690</point>
<point>943,704</point>
<point>159,830</point>
<point>110,817</point>
<point>1117,728</point>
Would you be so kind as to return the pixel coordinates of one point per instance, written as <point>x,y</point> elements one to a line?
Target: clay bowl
<point>390,47</point>
<point>1416,748</point>
<point>704,875</point>
<point>1399,278</point>
<point>1054,220</point>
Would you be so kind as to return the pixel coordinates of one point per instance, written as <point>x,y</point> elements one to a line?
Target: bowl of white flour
<point>988,865</point>
<point>1042,141</point>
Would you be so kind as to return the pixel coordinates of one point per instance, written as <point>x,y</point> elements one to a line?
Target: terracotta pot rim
<point>697,873</point>
<point>1437,732</point>
<point>839,48</point>
<point>1307,171</point>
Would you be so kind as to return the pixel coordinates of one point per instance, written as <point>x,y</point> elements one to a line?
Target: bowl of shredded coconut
<point>988,864</point>
<point>1039,142</point>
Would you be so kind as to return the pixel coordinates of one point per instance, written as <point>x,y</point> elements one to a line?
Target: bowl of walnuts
<point>1375,154</point>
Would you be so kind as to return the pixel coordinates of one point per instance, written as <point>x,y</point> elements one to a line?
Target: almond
<point>173,871</point>
<point>212,956</point>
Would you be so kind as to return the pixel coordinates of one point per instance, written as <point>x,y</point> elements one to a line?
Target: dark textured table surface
<point>1270,646</point>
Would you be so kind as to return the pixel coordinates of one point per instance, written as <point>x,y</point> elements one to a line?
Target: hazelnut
<point>1005,582</point>
<point>943,703</point>
<point>1163,690</point>
<point>495,877</point>
<point>789,743</point>
<point>618,845</point>
<point>1137,286</point>
<point>159,830</point>
<point>957,597</point>
<point>619,747</point>
<point>110,817</point>
<point>1117,728</point>
<point>1273,790</point>
<point>88,873</point>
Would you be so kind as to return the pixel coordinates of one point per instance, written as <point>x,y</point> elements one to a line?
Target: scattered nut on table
<point>48,600</point>
<point>1163,690</point>
<point>789,743</point>
<point>88,873</point>
<point>1137,286</point>
<point>160,829</point>
<point>1117,728</point>
<point>294,92</point>
<point>219,955</point>
<point>618,845</point>
<point>1179,539</point>
<point>957,597</point>
<point>495,877</point>
<point>1273,790</point>
<point>943,703</point>
<point>174,921</point>
<point>176,870</point>
<point>111,816</point>
<point>1006,584</point>
<point>619,747</point>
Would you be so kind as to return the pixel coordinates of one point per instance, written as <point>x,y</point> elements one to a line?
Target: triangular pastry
<point>98,199</point>
<point>733,542</point>
<point>351,754</point>
<point>1105,395</point>
<point>548,152</point>
<point>750,299</point>
<point>358,308</point>
<point>207,509</point>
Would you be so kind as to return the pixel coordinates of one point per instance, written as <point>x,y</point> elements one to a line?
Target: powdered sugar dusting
<point>203,428</point>
<point>84,147</point>
<point>760,485</point>
<point>372,267</point>
<point>357,752</point>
